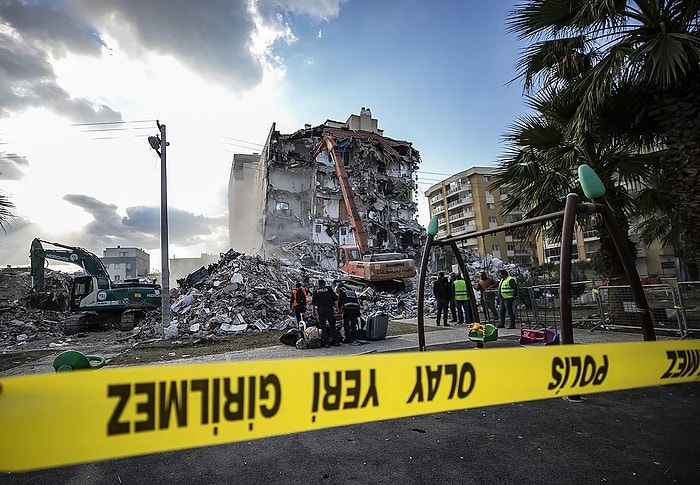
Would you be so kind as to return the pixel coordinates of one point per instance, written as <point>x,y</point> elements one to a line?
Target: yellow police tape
<point>72,417</point>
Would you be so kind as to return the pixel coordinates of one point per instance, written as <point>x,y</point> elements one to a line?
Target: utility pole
<point>159,144</point>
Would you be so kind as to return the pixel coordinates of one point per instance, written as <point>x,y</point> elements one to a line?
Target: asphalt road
<point>642,436</point>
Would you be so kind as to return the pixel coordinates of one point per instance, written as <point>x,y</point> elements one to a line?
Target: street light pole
<point>165,263</point>
<point>159,144</point>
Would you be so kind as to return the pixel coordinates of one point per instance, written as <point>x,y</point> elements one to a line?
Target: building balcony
<point>436,198</point>
<point>453,190</point>
<point>457,216</point>
<point>438,210</point>
<point>441,234</point>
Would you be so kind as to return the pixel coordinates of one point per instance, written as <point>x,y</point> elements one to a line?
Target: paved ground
<point>647,436</point>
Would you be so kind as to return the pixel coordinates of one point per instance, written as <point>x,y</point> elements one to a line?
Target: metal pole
<point>421,293</point>
<point>567,234</point>
<point>165,264</point>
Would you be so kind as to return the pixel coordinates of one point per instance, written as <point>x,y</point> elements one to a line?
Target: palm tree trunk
<point>677,114</point>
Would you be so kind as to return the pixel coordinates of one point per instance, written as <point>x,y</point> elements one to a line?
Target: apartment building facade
<point>464,203</point>
<point>126,262</point>
<point>287,202</point>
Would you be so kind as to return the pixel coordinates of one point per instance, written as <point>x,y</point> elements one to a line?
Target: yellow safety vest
<point>461,292</point>
<point>505,288</point>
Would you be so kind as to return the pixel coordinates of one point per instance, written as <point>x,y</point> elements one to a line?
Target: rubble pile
<point>243,293</point>
<point>237,294</point>
<point>20,321</point>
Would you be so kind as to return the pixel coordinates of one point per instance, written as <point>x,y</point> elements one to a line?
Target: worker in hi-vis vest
<point>461,295</point>
<point>298,302</point>
<point>507,289</point>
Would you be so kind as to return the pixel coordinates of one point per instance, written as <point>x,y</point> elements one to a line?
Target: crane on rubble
<point>383,271</point>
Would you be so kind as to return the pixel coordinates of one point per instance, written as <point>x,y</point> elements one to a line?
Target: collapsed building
<point>287,202</point>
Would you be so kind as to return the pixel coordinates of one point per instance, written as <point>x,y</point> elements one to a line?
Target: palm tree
<point>595,48</point>
<point>542,157</point>
<point>6,215</point>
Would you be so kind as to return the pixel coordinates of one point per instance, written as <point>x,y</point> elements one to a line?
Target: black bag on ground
<point>290,337</point>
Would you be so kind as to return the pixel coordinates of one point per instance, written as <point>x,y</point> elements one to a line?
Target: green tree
<point>598,48</point>
<point>542,157</point>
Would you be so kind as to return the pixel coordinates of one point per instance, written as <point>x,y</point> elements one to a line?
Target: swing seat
<point>543,336</point>
<point>482,333</point>
<point>74,360</point>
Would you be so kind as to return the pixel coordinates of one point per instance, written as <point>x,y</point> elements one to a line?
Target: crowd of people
<point>453,294</point>
<point>326,303</point>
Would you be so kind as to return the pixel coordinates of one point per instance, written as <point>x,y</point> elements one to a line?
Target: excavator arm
<point>91,264</point>
<point>355,222</point>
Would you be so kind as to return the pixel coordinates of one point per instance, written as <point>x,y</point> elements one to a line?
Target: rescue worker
<point>488,298</point>
<point>442,291</point>
<point>453,305</point>
<point>461,295</point>
<point>349,304</point>
<point>507,289</point>
<point>323,302</point>
<point>298,302</point>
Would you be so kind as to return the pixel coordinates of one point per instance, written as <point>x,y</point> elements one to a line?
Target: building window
<point>492,219</point>
<point>496,247</point>
<point>123,254</point>
<point>280,206</point>
<point>487,178</point>
<point>488,193</point>
<point>490,205</point>
<point>343,231</point>
<point>511,247</point>
<point>317,228</point>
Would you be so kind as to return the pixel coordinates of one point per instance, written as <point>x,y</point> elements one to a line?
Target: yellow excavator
<point>382,271</point>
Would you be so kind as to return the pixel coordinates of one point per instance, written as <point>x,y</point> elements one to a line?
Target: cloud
<point>27,78</point>
<point>212,37</point>
<point>11,166</point>
<point>141,225</point>
<point>317,9</point>
<point>228,41</point>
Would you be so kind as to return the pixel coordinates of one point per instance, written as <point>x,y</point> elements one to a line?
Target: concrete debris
<point>257,300</point>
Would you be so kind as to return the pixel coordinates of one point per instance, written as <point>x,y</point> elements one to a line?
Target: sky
<point>83,84</point>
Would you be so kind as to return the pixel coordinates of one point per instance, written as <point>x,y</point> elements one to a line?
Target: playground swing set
<point>539,332</point>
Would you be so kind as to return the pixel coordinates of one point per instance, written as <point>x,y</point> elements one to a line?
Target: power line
<point>98,123</point>
<point>435,173</point>
<point>119,129</point>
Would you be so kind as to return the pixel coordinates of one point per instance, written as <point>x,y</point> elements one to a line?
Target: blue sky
<point>218,74</point>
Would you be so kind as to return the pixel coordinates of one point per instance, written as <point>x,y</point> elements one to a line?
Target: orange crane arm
<point>348,196</point>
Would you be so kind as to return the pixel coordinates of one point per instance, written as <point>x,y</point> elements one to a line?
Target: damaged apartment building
<point>287,201</point>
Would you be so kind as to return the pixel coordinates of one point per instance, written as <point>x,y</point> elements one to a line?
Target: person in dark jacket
<point>323,302</point>
<point>453,304</point>
<point>442,291</point>
<point>298,302</point>
<point>349,304</point>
